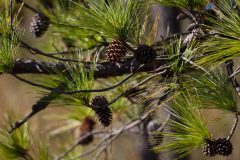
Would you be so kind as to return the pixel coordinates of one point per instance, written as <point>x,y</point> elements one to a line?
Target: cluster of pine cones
<point>116,49</point>
<point>144,54</point>
<point>221,146</point>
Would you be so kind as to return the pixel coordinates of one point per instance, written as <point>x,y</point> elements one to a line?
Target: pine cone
<point>39,24</point>
<point>99,101</point>
<point>210,148</point>
<point>224,147</point>
<point>115,51</point>
<point>104,114</point>
<point>145,54</point>
<point>86,127</point>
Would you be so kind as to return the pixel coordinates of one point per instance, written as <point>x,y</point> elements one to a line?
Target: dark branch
<point>102,70</point>
<point>36,67</point>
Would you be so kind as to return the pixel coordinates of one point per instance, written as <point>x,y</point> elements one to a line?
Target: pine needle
<point>214,89</point>
<point>188,127</point>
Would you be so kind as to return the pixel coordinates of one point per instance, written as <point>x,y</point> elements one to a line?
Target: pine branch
<point>101,70</point>
<point>36,67</point>
<point>59,91</point>
<point>46,100</point>
<point>36,108</point>
<point>40,52</point>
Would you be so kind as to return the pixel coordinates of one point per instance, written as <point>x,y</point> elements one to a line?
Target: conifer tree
<point>106,63</point>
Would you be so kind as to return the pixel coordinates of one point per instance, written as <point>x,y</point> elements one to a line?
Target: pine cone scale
<point>116,51</point>
<point>145,54</point>
<point>103,112</point>
<point>222,146</point>
<point>39,25</point>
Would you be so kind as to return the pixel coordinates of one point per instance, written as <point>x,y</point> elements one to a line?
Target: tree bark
<point>101,70</point>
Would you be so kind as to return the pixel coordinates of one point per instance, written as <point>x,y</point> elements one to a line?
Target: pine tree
<point>124,68</point>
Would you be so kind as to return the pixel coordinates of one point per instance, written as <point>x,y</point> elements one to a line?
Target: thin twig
<point>28,7</point>
<point>77,143</point>
<point>72,92</point>
<point>22,121</point>
<point>233,127</point>
<point>100,44</point>
<point>93,149</point>
<point>135,86</point>
<point>187,13</point>
<point>37,51</point>
<point>237,71</point>
<point>37,107</point>
<point>235,84</point>
<point>34,84</point>
<point>107,144</point>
